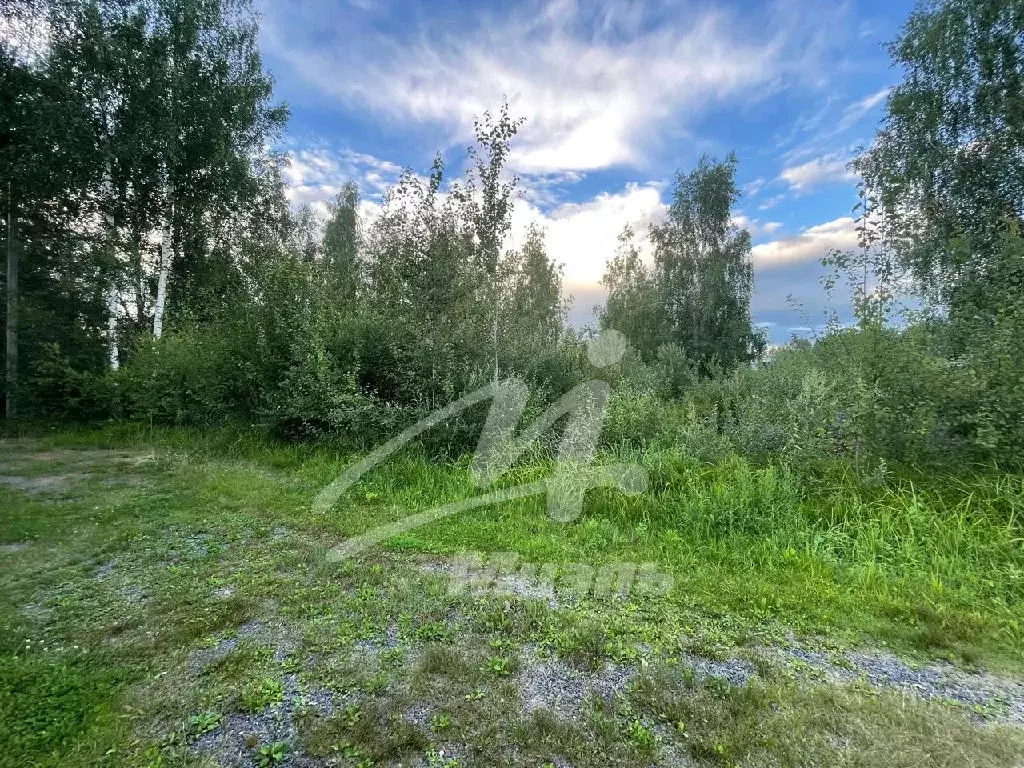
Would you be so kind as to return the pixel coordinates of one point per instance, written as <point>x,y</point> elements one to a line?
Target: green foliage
<point>697,297</point>
<point>137,119</point>
<point>335,328</point>
<point>946,162</point>
<point>642,737</point>
<point>703,269</point>
<point>47,705</point>
<point>342,246</point>
<point>204,722</point>
<point>987,326</point>
<point>56,386</point>
<point>259,694</point>
<point>271,754</point>
<point>634,303</point>
<point>185,378</point>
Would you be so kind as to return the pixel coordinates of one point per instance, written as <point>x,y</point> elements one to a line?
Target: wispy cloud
<point>857,110</point>
<point>811,244</point>
<point>595,79</point>
<point>314,175</point>
<point>546,190</point>
<point>820,170</point>
<point>754,187</point>
<point>771,202</point>
<point>835,141</point>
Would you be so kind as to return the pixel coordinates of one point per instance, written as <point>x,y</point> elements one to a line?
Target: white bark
<point>115,361</point>
<point>161,279</point>
<point>112,292</point>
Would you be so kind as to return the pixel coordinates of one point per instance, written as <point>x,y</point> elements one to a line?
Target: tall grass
<point>937,558</point>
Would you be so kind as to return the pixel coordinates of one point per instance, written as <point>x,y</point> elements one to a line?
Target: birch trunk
<point>112,289</point>
<point>115,353</point>
<point>162,272</point>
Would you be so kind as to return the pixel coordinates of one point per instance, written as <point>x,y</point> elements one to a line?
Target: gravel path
<point>1001,698</point>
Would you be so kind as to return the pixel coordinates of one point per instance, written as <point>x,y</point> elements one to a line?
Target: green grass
<point>156,581</point>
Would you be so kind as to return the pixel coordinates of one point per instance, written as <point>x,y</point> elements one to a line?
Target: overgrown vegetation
<point>195,360</point>
<point>355,329</point>
<point>167,600</point>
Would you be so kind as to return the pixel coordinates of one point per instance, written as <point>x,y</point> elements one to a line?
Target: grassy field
<point>167,600</point>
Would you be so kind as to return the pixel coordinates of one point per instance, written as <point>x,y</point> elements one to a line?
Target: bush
<point>56,388</point>
<point>192,377</point>
<point>787,407</point>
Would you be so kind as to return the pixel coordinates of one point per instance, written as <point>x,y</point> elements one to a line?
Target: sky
<point>617,96</point>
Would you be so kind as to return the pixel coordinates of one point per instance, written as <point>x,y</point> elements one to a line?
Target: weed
<point>440,722</point>
<point>271,754</point>
<point>204,722</point>
<point>642,737</point>
<point>351,715</point>
<point>500,666</point>
<point>436,759</point>
<point>374,684</point>
<point>261,693</point>
<point>432,631</point>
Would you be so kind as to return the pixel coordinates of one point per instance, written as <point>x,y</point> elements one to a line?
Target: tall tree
<point>11,348</point>
<point>214,120</point>
<point>132,108</point>
<point>703,271</point>
<point>535,313</point>
<point>423,279</point>
<point>49,154</point>
<point>341,242</point>
<point>633,305</point>
<point>947,161</point>
<point>489,196</point>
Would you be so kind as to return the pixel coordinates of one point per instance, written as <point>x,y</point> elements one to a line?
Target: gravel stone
<point>43,483</point>
<point>552,684</point>
<point>1002,697</point>
<point>736,671</point>
<point>228,744</point>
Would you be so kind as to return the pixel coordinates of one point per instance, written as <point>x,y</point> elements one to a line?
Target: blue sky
<point>617,96</point>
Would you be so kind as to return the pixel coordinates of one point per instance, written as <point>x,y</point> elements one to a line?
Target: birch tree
<point>490,194</point>
<point>946,163</point>
<point>702,268</point>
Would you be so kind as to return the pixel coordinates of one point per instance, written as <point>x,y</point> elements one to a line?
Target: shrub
<point>55,387</point>
<point>186,378</point>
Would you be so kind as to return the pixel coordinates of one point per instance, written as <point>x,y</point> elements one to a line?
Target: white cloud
<point>754,187</point>
<point>821,170</point>
<point>813,243</point>
<point>854,112</point>
<point>755,227</point>
<point>314,175</point>
<point>595,80</point>
<point>771,202</point>
<point>545,190</point>
<point>584,236</point>
<point>827,149</point>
